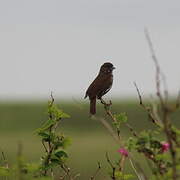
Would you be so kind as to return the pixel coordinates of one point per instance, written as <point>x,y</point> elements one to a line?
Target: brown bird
<point>100,86</point>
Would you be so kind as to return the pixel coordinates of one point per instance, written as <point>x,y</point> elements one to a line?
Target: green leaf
<point>55,161</point>
<point>61,154</point>
<point>120,175</point>
<point>128,176</point>
<point>49,123</point>
<point>61,114</point>
<point>121,117</point>
<point>61,141</point>
<point>57,113</point>
<point>162,157</point>
<point>58,157</point>
<point>45,136</point>
<point>131,143</point>
<point>155,144</point>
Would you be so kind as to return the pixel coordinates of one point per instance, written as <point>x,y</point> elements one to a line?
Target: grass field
<point>90,140</point>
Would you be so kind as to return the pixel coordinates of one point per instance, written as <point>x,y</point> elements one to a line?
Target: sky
<point>59,46</point>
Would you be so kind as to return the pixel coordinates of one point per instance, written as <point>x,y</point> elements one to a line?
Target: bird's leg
<point>102,101</point>
<point>105,103</point>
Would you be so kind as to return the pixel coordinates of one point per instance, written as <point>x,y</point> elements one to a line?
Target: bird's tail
<point>93,106</point>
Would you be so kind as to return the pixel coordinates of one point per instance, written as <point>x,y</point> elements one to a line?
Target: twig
<point>97,171</point>
<point>147,109</point>
<point>158,71</point>
<point>109,113</point>
<point>52,99</point>
<point>107,109</point>
<point>44,146</point>
<point>155,111</point>
<point>133,167</point>
<point>66,170</point>
<point>112,166</point>
<point>131,130</point>
<point>166,93</point>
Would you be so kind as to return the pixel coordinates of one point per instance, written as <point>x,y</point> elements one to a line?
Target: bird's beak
<point>113,68</point>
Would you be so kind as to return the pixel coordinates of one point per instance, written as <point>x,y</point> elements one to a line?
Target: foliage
<point>54,144</point>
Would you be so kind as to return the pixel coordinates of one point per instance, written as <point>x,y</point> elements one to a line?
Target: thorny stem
<point>121,163</point>
<point>164,106</point>
<point>107,109</point>
<point>109,113</point>
<point>50,147</point>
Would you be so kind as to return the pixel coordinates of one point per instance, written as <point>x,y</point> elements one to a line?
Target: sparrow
<point>100,86</point>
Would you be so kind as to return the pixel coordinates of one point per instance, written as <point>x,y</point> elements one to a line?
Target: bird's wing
<point>101,83</point>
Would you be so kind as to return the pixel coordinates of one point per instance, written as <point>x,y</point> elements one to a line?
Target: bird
<point>100,86</point>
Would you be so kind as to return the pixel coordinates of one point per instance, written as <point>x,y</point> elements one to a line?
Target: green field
<point>90,140</point>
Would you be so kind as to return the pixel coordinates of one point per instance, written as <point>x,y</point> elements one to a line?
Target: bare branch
<point>146,108</point>
<point>158,71</point>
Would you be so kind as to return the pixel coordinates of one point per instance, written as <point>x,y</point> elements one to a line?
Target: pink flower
<point>123,152</point>
<point>165,146</point>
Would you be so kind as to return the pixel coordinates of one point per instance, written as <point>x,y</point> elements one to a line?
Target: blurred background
<point>59,46</point>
